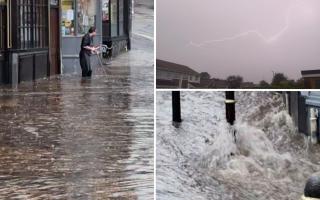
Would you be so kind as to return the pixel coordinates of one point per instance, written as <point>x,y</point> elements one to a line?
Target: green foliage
<point>264,84</point>
<point>204,76</point>
<point>280,81</point>
<point>234,82</point>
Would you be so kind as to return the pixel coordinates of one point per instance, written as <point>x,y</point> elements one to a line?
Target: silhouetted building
<point>172,75</point>
<point>248,85</point>
<point>214,83</point>
<point>311,79</point>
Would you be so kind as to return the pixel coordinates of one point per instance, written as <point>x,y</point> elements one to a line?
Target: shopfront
<point>24,47</point>
<point>110,17</point>
<point>40,38</point>
<point>116,24</point>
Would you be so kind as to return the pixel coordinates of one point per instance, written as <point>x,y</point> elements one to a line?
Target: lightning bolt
<point>263,37</point>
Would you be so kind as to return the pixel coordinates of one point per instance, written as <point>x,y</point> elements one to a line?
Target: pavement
<point>70,138</point>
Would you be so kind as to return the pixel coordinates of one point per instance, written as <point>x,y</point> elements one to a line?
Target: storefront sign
<point>105,10</point>
<point>54,2</point>
<point>70,15</point>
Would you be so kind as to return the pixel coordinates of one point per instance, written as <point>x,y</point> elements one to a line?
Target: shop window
<point>68,25</point>
<point>86,15</point>
<point>105,18</point>
<point>114,18</point>
<point>105,10</point>
<point>54,2</point>
<point>32,29</point>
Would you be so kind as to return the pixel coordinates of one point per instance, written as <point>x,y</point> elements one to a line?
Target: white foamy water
<point>201,160</point>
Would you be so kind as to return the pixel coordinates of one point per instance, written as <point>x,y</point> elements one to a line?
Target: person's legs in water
<point>83,64</point>
<point>89,70</point>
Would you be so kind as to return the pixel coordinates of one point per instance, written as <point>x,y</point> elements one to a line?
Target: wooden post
<point>176,108</point>
<point>230,107</point>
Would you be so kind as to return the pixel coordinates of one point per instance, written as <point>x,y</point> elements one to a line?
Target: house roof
<point>173,67</point>
<point>310,72</point>
<point>167,83</point>
<point>195,85</point>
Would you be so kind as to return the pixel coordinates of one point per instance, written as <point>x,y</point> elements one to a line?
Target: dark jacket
<point>86,41</point>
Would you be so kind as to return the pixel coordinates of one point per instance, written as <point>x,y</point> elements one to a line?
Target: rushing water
<point>201,160</point>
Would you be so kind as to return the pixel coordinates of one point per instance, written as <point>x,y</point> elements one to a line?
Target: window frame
<point>75,14</point>
<point>30,24</point>
<point>125,20</point>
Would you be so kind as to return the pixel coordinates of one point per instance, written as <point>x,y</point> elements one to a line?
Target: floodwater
<point>201,160</point>
<point>67,138</point>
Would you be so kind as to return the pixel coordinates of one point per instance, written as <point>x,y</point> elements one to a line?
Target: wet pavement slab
<point>72,138</point>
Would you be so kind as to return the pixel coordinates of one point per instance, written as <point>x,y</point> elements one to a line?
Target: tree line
<point>279,81</point>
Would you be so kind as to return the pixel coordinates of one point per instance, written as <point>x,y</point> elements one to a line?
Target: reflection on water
<point>200,160</point>
<point>67,138</point>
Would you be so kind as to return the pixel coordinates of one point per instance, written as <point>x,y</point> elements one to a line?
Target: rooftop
<point>173,67</point>
<point>310,72</point>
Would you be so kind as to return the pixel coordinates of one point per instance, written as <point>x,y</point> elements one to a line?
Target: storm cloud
<point>251,38</point>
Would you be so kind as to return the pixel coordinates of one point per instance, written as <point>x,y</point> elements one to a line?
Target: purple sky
<point>251,38</point>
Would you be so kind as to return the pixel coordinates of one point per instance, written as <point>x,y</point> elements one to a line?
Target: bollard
<point>176,108</point>
<point>312,188</point>
<point>230,107</point>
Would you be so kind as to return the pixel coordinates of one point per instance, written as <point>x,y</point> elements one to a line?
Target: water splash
<point>201,159</point>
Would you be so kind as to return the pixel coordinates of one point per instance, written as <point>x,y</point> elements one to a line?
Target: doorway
<point>54,41</point>
<point>3,43</point>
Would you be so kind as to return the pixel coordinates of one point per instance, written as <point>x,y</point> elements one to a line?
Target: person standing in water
<point>87,49</point>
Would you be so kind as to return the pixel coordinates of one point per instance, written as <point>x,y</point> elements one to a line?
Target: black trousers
<point>85,64</point>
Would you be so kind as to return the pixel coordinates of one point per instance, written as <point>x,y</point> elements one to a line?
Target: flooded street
<point>201,159</point>
<point>68,138</point>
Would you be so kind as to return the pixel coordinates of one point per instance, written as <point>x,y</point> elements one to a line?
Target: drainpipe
<point>176,107</point>
<point>230,107</point>
<point>313,125</point>
<point>287,102</point>
<point>231,112</point>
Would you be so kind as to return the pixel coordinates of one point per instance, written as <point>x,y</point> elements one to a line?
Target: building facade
<point>112,18</point>
<point>41,38</point>
<point>171,75</point>
<point>304,108</point>
<point>311,79</point>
